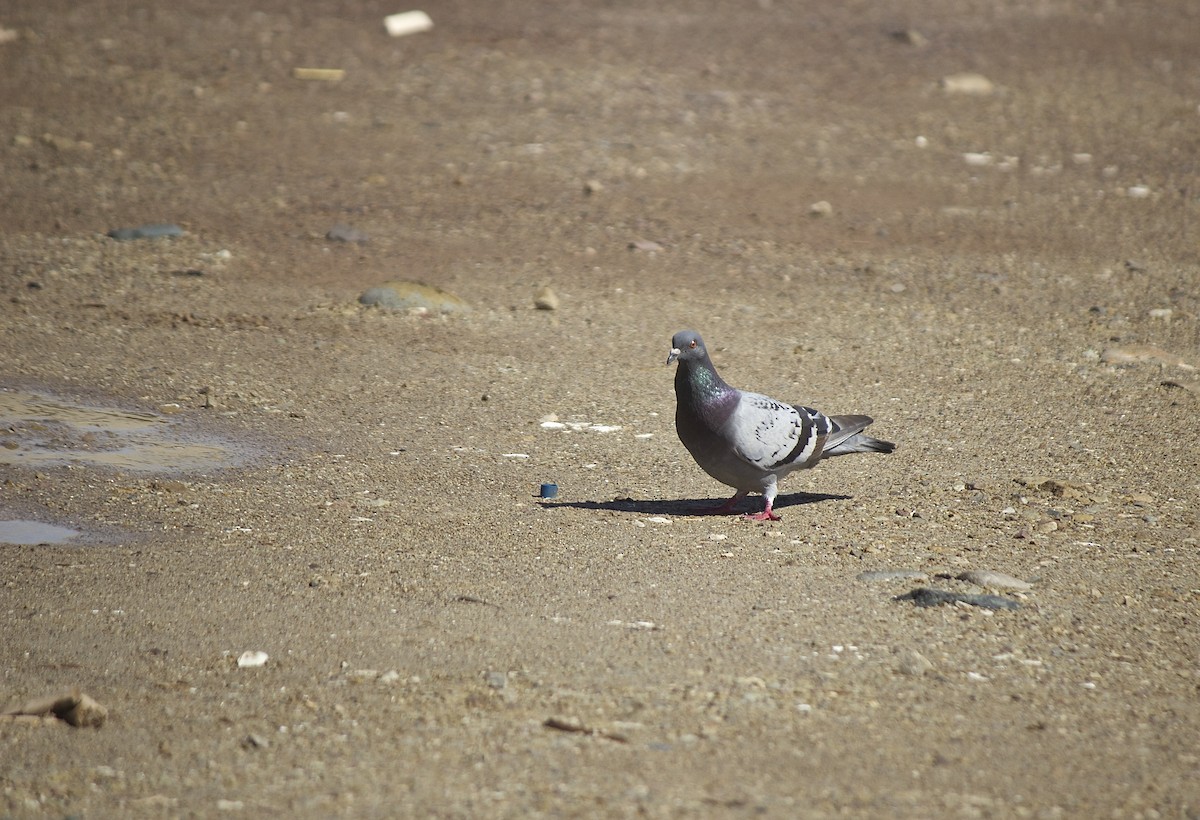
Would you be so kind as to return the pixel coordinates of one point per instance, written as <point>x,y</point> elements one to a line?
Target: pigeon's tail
<point>848,437</point>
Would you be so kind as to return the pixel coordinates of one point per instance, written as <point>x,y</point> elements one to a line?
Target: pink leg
<point>767,514</point>
<point>725,508</point>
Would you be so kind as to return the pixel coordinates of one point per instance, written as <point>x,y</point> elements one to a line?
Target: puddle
<point>34,532</point>
<point>41,430</point>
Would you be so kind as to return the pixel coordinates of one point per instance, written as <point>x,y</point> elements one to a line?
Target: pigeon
<point>750,441</point>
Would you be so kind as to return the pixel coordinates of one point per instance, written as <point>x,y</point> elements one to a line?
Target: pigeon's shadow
<point>692,507</point>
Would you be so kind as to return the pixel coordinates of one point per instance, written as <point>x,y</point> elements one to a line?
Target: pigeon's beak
<point>674,355</point>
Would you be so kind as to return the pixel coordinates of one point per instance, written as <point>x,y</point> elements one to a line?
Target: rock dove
<point>750,441</point>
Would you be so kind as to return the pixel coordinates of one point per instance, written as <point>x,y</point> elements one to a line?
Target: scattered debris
<point>328,75</point>
<point>967,83</point>
<point>574,726</point>
<point>471,599</point>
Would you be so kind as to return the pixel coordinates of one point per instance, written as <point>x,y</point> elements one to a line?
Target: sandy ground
<point>1006,281</point>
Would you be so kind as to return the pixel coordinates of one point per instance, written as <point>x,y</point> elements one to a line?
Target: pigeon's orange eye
<point>692,344</point>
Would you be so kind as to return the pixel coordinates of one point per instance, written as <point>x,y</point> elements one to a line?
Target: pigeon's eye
<point>692,344</point>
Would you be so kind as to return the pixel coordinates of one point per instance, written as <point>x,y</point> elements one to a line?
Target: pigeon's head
<point>687,346</point>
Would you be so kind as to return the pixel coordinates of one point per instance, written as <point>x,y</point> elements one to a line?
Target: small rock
<point>913,664</point>
<point>993,580</point>
<point>345,233</point>
<point>546,299</point>
<point>967,83</point>
<point>593,186</point>
<point>497,680</point>
<point>249,659</point>
<point>254,741</point>
<point>821,208</point>
<point>414,296</point>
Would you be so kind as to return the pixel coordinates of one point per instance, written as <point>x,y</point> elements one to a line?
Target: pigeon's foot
<point>765,515</point>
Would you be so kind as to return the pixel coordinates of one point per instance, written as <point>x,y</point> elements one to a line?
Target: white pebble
<point>515,455</point>
<point>605,428</point>
<point>922,142</point>
<point>407,22</point>
<point>717,536</point>
<point>658,519</point>
<point>553,425</point>
<point>1138,191</point>
<point>251,659</point>
<point>977,159</point>
<point>644,435</point>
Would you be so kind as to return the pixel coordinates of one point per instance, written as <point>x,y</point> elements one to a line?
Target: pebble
<point>994,580</point>
<point>149,231</point>
<point>893,575</point>
<point>967,83</point>
<point>346,233</point>
<point>546,299</point>
<point>822,208</point>
<point>925,597</point>
<point>250,659</point>
<point>413,296</point>
<point>407,22</point>
<point>913,664</point>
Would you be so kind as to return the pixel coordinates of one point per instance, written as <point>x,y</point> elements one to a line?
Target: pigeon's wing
<point>769,434</point>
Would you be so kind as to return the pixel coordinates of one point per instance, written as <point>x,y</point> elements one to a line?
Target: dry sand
<point>440,642</point>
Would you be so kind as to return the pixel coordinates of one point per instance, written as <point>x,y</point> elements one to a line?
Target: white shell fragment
<point>250,659</point>
<point>407,22</point>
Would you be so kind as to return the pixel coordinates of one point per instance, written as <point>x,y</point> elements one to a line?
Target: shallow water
<point>18,531</point>
<point>45,430</point>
